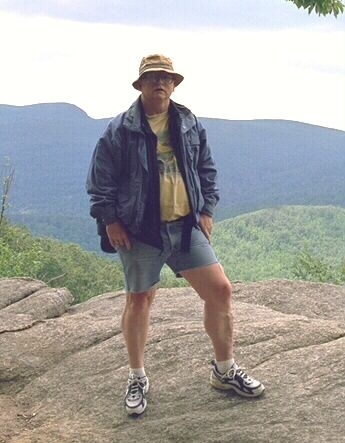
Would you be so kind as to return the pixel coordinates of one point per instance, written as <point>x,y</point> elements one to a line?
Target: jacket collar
<point>132,119</point>
<point>134,116</point>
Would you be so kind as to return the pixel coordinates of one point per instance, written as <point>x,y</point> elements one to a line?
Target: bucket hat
<point>157,62</point>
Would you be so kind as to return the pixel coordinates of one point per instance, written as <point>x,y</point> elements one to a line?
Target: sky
<point>241,59</point>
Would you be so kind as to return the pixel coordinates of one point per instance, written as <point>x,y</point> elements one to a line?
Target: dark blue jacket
<point>119,176</point>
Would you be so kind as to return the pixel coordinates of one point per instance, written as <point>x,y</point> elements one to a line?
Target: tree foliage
<point>57,264</point>
<point>321,7</point>
<point>266,244</point>
<point>295,242</point>
<point>311,268</point>
<point>7,176</point>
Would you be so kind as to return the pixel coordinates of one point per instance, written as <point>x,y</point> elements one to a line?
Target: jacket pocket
<point>193,150</point>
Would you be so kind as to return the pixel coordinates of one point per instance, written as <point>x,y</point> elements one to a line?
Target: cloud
<point>293,74</point>
<point>178,14</point>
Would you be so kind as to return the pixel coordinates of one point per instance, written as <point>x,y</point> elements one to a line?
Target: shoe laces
<point>135,387</point>
<point>234,370</point>
<point>239,372</point>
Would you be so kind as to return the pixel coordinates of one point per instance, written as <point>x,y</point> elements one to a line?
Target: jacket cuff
<point>109,220</point>
<point>208,210</point>
<point>109,215</point>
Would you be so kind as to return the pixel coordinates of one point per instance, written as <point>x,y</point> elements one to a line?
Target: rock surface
<point>63,367</point>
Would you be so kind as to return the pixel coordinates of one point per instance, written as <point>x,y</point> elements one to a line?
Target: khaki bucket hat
<point>157,62</point>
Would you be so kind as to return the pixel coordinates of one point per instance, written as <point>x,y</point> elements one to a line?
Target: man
<point>152,182</point>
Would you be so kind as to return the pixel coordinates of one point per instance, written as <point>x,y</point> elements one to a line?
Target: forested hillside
<point>262,164</point>
<point>288,242</point>
<point>59,264</point>
<point>305,243</point>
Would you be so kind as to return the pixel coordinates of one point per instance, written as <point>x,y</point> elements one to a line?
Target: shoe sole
<point>218,385</point>
<point>138,410</point>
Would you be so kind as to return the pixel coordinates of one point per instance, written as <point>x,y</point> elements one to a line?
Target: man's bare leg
<point>214,288</point>
<point>135,325</point>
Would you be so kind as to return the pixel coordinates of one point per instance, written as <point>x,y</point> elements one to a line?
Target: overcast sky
<point>242,59</point>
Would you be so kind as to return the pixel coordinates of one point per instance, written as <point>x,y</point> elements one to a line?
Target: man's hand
<point>118,236</point>
<point>206,225</point>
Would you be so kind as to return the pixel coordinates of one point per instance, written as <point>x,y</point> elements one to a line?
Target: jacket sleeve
<point>207,174</point>
<point>103,175</point>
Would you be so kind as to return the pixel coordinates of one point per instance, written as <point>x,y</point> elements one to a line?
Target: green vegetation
<point>308,267</point>
<point>321,7</point>
<point>293,242</point>
<point>57,264</point>
<point>6,177</point>
<point>275,243</point>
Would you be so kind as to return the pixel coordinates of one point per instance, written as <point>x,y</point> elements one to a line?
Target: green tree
<point>7,176</point>
<point>310,268</point>
<point>57,264</point>
<point>321,7</point>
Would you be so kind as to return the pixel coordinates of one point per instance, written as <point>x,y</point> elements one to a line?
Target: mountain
<point>265,163</point>
<point>261,163</point>
<point>50,146</point>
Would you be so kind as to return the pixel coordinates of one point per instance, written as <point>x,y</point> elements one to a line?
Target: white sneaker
<point>135,398</point>
<point>236,379</point>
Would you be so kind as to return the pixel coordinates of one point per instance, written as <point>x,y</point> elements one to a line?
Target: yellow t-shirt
<point>173,195</point>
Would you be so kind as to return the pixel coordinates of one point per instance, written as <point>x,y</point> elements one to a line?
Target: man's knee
<point>139,301</point>
<point>224,290</point>
<point>221,295</point>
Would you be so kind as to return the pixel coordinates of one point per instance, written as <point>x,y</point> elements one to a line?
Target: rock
<point>63,367</point>
<point>15,289</point>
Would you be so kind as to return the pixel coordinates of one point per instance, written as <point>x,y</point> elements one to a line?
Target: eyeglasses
<point>154,77</point>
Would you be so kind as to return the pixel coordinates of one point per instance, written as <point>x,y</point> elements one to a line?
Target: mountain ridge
<point>261,163</point>
<point>53,106</point>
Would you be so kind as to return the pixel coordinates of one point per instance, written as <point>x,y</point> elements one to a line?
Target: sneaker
<point>135,398</point>
<point>236,379</point>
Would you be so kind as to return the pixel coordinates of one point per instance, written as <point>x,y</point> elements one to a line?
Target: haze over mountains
<point>262,164</point>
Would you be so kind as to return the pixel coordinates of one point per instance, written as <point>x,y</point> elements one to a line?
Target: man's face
<point>157,85</point>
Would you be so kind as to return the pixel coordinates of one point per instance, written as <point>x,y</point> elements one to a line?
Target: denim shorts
<point>142,264</point>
